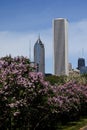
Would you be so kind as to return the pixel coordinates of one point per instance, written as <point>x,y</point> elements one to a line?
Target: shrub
<point>23,94</point>
<point>53,79</point>
<point>27,101</point>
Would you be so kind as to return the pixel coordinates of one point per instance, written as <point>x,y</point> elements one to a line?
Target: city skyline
<point>21,22</point>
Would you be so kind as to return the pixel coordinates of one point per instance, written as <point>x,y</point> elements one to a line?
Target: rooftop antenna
<point>30,50</point>
<point>82,52</point>
<point>39,36</point>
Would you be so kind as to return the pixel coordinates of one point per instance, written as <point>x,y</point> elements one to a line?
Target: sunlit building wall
<point>60,40</point>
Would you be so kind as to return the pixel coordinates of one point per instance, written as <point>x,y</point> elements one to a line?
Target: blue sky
<point>21,21</point>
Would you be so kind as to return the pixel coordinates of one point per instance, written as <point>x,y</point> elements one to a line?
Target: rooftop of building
<point>61,19</point>
<point>39,41</point>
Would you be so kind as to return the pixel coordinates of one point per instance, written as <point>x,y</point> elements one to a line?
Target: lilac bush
<point>69,100</point>
<point>23,93</point>
<point>27,101</point>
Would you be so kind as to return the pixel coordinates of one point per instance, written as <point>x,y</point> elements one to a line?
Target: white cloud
<point>77,41</point>
<point>19,42</point>
<point>15,43</point>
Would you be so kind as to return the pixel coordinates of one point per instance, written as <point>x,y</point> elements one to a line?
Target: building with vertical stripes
<point>60,42</point>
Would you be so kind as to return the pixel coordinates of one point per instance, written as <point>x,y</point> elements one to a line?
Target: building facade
<point>60,39</point>
<point>39,56</point>
<point>81,63</point>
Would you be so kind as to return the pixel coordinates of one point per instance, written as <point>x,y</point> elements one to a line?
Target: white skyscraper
<point>60,32</point>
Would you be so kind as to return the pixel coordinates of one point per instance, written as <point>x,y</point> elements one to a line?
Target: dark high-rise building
<point>81,63</point>
<point>39,56</point>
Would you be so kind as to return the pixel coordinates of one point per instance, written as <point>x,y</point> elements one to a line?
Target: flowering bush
<point>27,101</point>
<point>23,94</point>
<point>69,101</point>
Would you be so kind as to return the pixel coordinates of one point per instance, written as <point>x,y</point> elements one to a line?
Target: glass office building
<point>39,56</point>
<point>81,63</point>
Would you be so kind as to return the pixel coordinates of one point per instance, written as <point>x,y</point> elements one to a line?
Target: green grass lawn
<point>74,125</point>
